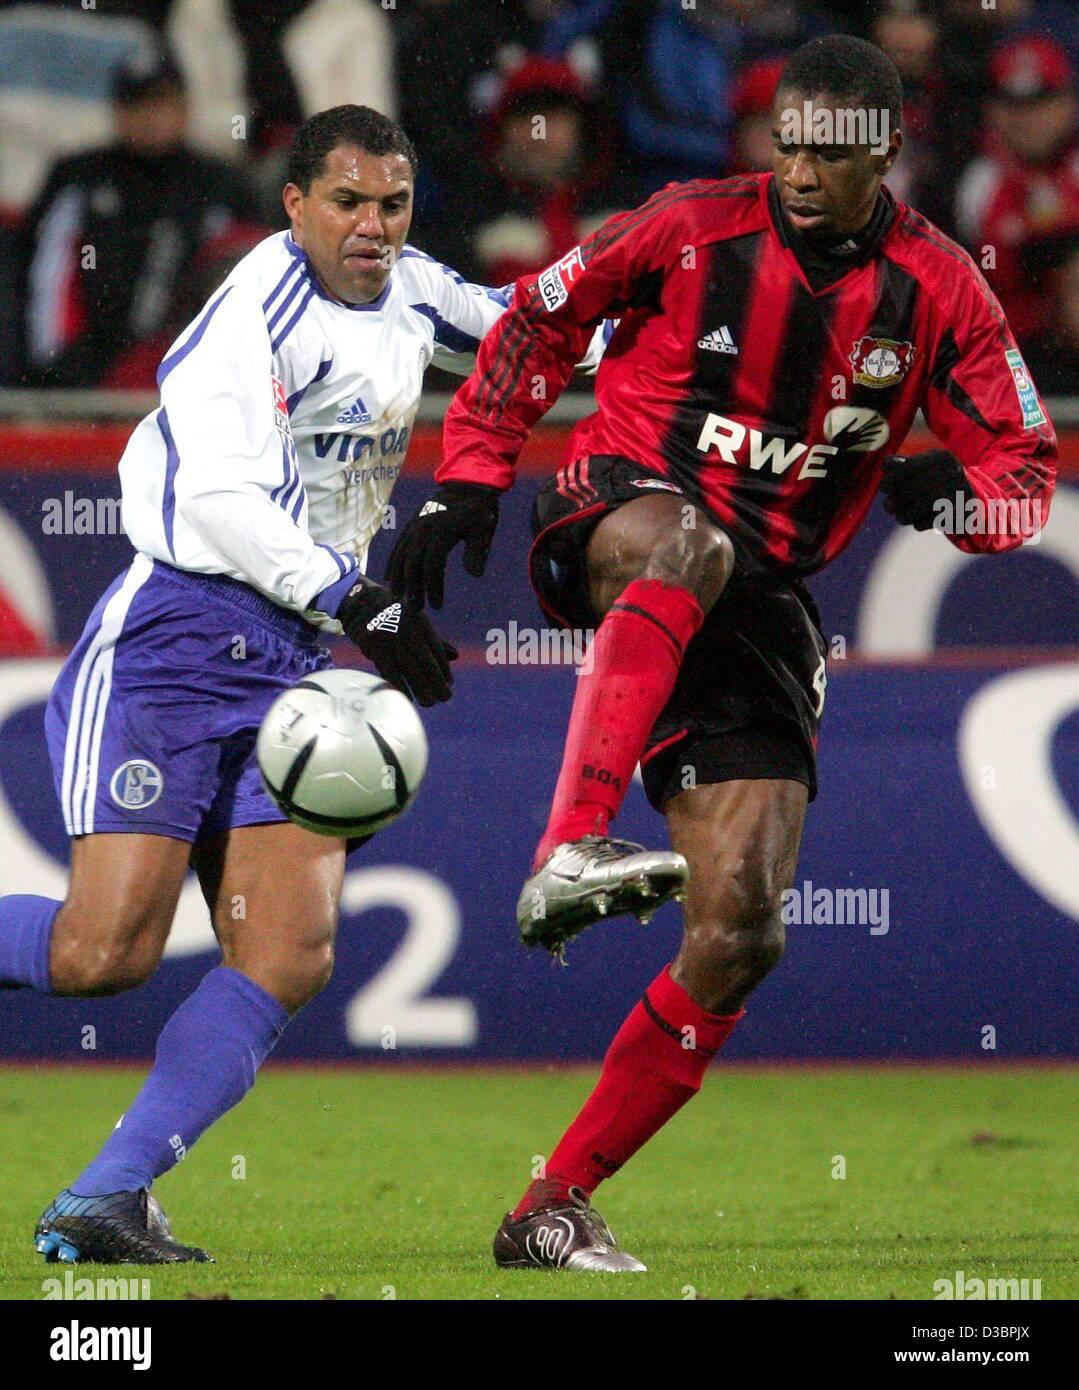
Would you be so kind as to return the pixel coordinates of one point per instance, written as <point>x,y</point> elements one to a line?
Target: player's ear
<point>292,196</point>
<point>895,144</point>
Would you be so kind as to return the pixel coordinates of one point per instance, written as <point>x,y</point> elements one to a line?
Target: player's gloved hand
<point>455,512</point>
<point>912,487</point>
<point>404,647</point>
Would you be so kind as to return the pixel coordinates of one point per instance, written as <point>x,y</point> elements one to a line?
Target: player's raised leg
<point>740,840</point>
<point>655,567</point>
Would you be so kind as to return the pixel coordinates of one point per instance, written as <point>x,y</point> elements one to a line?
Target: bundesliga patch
<point>655,482</point>
<point>881,362</point>
<point>555,281</point>
<point>280,409</point>
<point>1033,415</point>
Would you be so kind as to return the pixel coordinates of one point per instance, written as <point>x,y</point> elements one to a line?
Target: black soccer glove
<point>403,645</point>
<point>455,512</point>
<point>912,487</point>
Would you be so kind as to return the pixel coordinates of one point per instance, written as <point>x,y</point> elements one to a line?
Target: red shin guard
<point>635,658</point>
<point>654,1065</point>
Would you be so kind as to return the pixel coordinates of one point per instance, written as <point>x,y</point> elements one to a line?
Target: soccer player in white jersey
<point>251,496</point>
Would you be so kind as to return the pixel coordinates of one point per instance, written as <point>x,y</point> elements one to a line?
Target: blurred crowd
<point>143,142</point>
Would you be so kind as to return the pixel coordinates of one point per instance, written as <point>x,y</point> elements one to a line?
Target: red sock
<point>635,658</point>
<point>649,1073</point>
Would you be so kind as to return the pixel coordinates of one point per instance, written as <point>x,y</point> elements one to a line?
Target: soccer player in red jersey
<point>778,333</point>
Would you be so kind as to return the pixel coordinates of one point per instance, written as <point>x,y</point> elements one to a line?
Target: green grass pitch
<point>382,1182</point>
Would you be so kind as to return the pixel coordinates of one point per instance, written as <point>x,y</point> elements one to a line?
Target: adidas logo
<point>430,507</point>
<point>356,414</point>
<point>719,340</point>
<point>389,620</point>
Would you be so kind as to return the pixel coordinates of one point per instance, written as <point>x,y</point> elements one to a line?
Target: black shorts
<point>749,696</point>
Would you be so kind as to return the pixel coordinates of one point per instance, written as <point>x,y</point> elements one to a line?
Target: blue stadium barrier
<point>1027,599</point>
<point>954,792</point>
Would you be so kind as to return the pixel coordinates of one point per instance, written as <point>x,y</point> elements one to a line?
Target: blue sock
<point>206,1060</point>
<point>25,933</point>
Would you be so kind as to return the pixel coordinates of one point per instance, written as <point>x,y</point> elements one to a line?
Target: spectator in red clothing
<point>751,105</point>
<point>1026,190</point>
<point>547,170</point>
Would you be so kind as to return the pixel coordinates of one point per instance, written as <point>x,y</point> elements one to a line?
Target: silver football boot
<point>568,1235</point>
<point>584,880</point>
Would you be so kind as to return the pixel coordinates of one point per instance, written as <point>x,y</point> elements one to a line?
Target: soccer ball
<point>342,753</point>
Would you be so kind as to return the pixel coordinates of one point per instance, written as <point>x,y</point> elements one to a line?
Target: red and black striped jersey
<point>769,403</point>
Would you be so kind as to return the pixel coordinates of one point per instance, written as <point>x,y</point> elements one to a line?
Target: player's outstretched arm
<point>460,512</point>
<point>464,510</point>
<point>521,369</point>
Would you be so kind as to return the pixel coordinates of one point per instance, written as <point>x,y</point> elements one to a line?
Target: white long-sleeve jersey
<point>284,420</point>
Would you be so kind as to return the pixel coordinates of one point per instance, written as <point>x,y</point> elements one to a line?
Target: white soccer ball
<point>342,753</point>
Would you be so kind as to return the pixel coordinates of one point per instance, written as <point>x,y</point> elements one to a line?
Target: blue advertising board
<point>893,592</point>
<point>947,826</point>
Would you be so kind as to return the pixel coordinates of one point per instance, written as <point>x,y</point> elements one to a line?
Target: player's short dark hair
<point>839,65</point>
<point>344,125</point>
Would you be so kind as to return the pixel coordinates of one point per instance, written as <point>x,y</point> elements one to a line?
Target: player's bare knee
<point>737,931</point>
<point>88,967</point>
<point>315,972</point>
<point>699,558</point>
<point>752,937</point>
<point>658,537</point>
<point>613,567</point>
<point>761,945</point>
<point>721,964</point>
<point>293,980</point>
<point>94,955</point>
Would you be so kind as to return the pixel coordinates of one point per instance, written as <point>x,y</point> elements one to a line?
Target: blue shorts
<point>151,725</point>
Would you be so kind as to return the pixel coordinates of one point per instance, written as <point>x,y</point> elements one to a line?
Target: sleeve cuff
<point>330,599</point>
